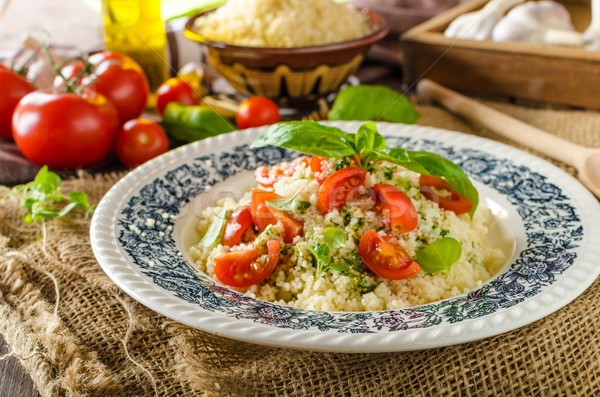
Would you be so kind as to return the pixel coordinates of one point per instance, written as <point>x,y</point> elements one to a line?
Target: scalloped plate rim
<point>344,342</point>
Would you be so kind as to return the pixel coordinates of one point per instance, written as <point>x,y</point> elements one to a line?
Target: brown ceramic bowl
<point>292,76</point>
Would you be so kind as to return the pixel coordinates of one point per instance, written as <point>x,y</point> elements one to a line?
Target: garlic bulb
<point>478,25</point>
<point>542,22</point>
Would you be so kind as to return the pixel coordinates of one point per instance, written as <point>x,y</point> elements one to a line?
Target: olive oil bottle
<point>135,28</point>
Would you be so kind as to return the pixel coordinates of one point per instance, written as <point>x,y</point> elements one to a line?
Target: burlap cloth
<point>77,334</point>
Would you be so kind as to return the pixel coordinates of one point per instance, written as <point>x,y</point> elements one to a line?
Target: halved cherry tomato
<point>385,257</point>
<point>340,187</point>
<point>246,267</point>
<point>267,178</point>
<point>239,221</point>
<point>431,187</point>
<point>319,168</point>
<point>396,207</point>
<point>263,215</point>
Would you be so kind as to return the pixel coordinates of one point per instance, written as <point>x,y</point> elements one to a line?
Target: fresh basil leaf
<point>440,255</point>
<point>368,137</point>
<point>340,267</point>
<point>373,102</point>
<point>322,253</point>
<point>428,163</point>
<point>214,232</point>
<point>80,199</point>
<point>334,237</point>
<point>308,137</point>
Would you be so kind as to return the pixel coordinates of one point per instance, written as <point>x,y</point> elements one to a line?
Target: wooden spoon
<point>585,160</point>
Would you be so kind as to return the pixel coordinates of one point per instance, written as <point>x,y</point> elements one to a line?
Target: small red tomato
<point>340,187</point>
<point>121,80</point>
<point>396,207</point>
<point>263,215</point>
<point>257,111</point>
<point>175,90</point>
<point>385,257</point>
<point>432,186</point>
<point>13,88</point>
<point>239,221</point>
<point>246,267</point>
<point>140,140</point>
<point>69,72</point>
<point>65,130</point>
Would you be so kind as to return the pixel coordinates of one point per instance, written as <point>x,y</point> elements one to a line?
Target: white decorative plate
<point>549,221</point>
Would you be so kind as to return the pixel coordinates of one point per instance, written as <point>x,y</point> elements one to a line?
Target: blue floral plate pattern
<point>143,227</point>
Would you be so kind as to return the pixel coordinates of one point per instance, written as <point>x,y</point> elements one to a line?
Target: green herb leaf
<point>340,267</point>
<point>308,137</point>
<point>440,256</point>
<point>373,102</point>
<point>322,253</point>
<point>432,164</point>
<point>368,137</point>
<point>42,196</point>
<point>334,237</point>
<point>214,232</point>
<point>281,204</point>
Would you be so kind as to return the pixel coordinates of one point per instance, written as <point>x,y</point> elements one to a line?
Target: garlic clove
<point>478,25</point>
<point>542,22</point>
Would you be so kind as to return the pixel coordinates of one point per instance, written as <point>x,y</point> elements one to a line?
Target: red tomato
<point>431,186</point>
<point>257,111</point>
<point>385,257</point>
<point>126,60</point>
<point>239,221</point>
<point>396,207</point>
<point>319,168</point>
<point>65,130</point>
<point>140,140</point>
<point>69,71</point>
<point>175,90</point>
<point>267,178</point>
<point>246,267</point>
<point>263,215</point>
<point>14,87</point>
<point>122,83</point>
<point>342,186</point>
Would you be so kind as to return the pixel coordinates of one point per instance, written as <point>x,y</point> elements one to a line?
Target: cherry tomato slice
<point>263,215</point>
<point>340,187</point>
<point>396,207</point>
<point>267,178</point>
<point>319,168</point>
<point>385,257</point>
<point>246,267</point>
<point>239,221</point>
<point>431,186</point>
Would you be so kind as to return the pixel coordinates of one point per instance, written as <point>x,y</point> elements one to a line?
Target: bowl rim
<point>380,31</point>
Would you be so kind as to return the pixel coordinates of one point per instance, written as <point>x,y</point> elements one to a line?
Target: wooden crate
<point>551,74</point>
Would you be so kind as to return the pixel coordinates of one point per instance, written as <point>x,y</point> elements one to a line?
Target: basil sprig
<point>334,239</point>
<point>312,138</point>
<point>440,256</point>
